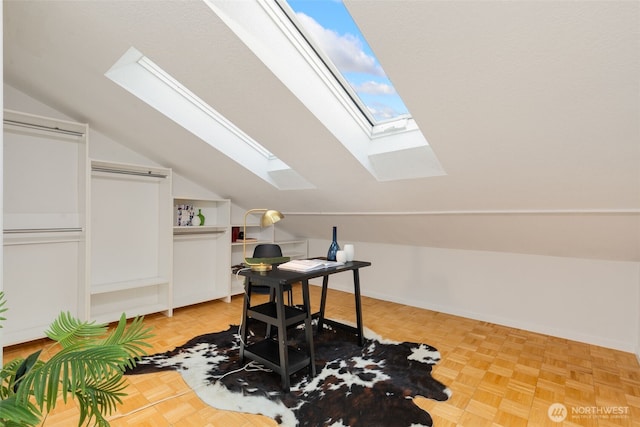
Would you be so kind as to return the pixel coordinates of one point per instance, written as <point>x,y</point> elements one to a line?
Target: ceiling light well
<point>150,83</point>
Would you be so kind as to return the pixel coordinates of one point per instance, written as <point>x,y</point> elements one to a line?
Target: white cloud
<point>344,50</point>
<point>382,112</point>
<point>375,88</point>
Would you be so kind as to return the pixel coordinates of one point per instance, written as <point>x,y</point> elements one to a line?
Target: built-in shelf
<point>201,253</point>
<point>104,288</point>
<point>204,229</point>
<point>42,236</point>
<point>138,310</point>
<point>41,230</point>
<point>251,243</point>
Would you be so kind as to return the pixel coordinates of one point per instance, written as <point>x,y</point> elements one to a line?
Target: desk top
<point>286,277</point>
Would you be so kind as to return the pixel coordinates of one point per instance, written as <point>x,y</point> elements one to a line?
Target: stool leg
<point>272,297</point>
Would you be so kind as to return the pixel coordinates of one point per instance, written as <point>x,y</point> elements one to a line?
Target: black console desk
<point>278,356</point>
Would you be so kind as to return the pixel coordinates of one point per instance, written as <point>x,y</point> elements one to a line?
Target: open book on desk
<point>304,265</point>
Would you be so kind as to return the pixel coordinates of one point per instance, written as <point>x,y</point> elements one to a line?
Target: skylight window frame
<point>176,86</point>
<point>330,74</point>
<point>148,82</point>
<point>390,152</point>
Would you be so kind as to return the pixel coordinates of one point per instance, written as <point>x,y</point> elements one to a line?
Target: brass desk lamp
<point>269,217</point>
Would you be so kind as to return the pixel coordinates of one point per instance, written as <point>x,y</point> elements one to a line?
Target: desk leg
<point>323,302</point>
<point>356,286</point>
<point>282,340</point>
<point>307,328</point>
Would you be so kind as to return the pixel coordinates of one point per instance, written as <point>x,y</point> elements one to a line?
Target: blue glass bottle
<point>334,247</point>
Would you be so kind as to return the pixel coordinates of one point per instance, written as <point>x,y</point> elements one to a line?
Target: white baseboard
<point>527,326</point>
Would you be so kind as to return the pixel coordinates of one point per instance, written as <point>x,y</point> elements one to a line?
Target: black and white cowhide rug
<point>367,386</point>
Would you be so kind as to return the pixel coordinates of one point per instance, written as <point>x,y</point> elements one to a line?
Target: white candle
<point>349,252</point>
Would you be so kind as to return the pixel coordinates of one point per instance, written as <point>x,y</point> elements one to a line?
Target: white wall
<point>590,301</point>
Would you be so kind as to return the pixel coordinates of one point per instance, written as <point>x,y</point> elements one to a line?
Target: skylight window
<point>330,30</point>
<point>390,150</point>
<point>150,83</point>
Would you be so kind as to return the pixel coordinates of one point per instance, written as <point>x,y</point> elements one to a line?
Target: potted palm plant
<point>87,366</point>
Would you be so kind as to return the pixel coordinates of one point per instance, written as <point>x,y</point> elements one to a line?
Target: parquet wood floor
<point>499,376</point>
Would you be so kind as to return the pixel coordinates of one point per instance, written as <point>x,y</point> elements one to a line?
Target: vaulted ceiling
<point>532,109</point>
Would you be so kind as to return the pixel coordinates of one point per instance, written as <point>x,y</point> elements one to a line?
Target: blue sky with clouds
<point>334,31</point>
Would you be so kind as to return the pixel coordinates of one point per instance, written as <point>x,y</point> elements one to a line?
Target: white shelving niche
<point>44,222</point>
<point>201,253</point>
<point>130,241</point>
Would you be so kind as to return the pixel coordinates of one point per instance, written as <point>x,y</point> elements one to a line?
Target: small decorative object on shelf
<point>184,215</point>
<point>334,247</point>
<point>198,219</point>
<point>235,234</point>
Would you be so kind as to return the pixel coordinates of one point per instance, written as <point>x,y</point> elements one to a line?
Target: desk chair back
<point>268,250</point>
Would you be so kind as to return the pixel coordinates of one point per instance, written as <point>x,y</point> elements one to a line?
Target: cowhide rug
<point>364,386</point>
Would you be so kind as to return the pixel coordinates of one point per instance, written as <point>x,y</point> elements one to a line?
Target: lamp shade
<point>270,217</point>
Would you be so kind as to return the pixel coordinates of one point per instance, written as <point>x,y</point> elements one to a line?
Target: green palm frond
<point>69,331</point>
<point>8,377</point>
<point>14,414</point>
<point>77,365</point>
<point>3,309</point>
<point>88,368</point>
<point>132,339</point>
<point>101,398</point>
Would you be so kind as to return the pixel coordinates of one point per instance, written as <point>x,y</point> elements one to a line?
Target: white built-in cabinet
<point>130,241</point>
<point>44,221</point>
<point>201,253</point>
<point>98,238</point>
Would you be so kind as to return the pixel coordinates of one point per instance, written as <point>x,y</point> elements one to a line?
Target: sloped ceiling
<point>531,107</point>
